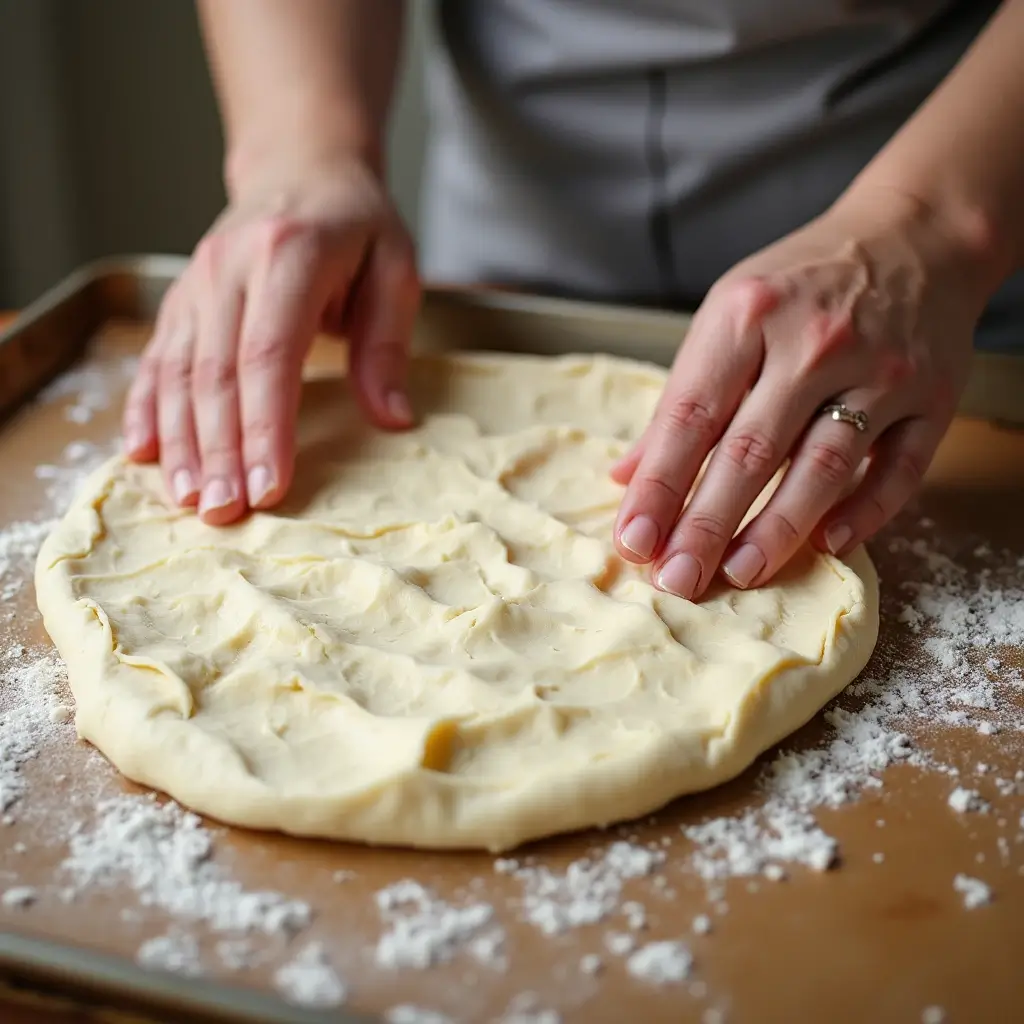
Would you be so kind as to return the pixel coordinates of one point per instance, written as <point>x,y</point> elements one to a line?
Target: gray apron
<point>635,151</point>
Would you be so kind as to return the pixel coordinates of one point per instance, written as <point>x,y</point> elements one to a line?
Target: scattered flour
<point>30,683</point>
<point>885,717</point>
<point>19,896</point>
<point>661,962</point>
<point>933,1015</point>
<point>964,800</point>
<point>975,892</point>
<point>701,924</point>
<point>309,980</point>
<point>91,389</point>
<point>164,854</point>
<point>176,952</point>
<point>19,544</point>
<point>589,889</point>
<point>422,930</point>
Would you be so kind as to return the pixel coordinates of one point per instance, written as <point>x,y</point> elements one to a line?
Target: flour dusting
<point>309,980</point>
<point>165,855</point>
<point>422,930</point>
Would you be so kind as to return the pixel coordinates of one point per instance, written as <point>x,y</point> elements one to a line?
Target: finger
<point>821,470</point>
<point>284,304</point>
<point>623,469</point>
<point>748,456</point>
<point>898,464</point>
<point>179,454</point>
<point>383,312</point>
<point>215,392</point>
<point>139,421</point>
<point>713,370</point>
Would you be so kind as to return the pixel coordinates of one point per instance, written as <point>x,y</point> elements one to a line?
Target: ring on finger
<point>842,413</point>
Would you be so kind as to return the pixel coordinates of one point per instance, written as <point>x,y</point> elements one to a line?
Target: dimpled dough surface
<point>433,641</point>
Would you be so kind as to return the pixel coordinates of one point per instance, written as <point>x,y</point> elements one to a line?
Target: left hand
<point>873,305</point>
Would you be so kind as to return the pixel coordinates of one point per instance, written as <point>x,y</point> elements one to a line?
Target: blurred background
<point>109,135</point>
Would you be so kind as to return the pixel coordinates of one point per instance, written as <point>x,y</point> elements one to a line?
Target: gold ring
<point>843,414</point>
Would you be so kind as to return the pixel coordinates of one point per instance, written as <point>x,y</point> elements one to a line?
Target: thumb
<point>382,312</point>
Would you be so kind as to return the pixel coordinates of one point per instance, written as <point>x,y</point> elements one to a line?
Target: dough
<point>433,642</point>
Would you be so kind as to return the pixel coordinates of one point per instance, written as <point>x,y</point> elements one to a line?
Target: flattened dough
<point>433,642</point>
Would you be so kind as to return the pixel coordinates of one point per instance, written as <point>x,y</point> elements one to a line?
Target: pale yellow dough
<point>434,643</point>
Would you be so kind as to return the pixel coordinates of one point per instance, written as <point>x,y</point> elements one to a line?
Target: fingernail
<point>398,407</point>
<point>259,483</point>
<point>837,537</point>
<point>680,576</point>
<point>216,494</point>
<point>743,566</point>
<point>640,535</point>
<point>134,441</point>
<point>183,486</point>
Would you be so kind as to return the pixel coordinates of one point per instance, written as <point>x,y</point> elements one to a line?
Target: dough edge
<point>430,810</point>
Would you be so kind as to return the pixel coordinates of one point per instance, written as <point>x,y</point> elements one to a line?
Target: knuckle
<point>264,351</point>
<point>215,373</point>
<point>220,456</point>
<point>828,335</point>
<point>830,462</point>
<point>259,426</point>
<point>283,231</point>
<point>663,485</point>
<point>749,297</point>
<point>707,529</point>
<point>686,415</point>
<point>780,527</point>
<point>751,452</point>
<point>896,369</point>
<point>175,370</point>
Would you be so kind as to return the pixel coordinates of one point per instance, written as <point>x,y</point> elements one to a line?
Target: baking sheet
<point>867,940</point>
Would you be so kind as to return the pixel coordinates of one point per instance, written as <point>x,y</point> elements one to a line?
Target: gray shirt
<point>635,151</point>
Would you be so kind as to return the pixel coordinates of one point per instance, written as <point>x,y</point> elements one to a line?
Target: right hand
<point>216,397</point>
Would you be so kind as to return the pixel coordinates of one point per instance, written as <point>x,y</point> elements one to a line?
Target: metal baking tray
<point>51,333</point>
<point>58,955</point>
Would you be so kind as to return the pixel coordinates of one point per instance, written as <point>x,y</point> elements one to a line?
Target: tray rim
<point>994,391</point>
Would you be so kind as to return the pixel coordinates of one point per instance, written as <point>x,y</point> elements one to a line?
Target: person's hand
<point>873,305</point>
<point>300,249</point>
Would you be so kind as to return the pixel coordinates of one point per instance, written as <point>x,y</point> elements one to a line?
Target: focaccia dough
<point>433,642</point>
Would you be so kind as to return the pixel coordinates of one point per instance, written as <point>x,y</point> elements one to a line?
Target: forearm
<point>962,154</point>
<point>312,76</point>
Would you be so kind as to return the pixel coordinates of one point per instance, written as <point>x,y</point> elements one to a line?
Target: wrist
<point>960,239</point>
<point>298,145</point>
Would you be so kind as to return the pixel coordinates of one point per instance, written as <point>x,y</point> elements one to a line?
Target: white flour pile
<point>588,891</point>
<point>421,930</point>
<point>661,962</point>
<point>164,854</point>
<point>309,979</point>
<point>32,691</point>
<point>18,544</point>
